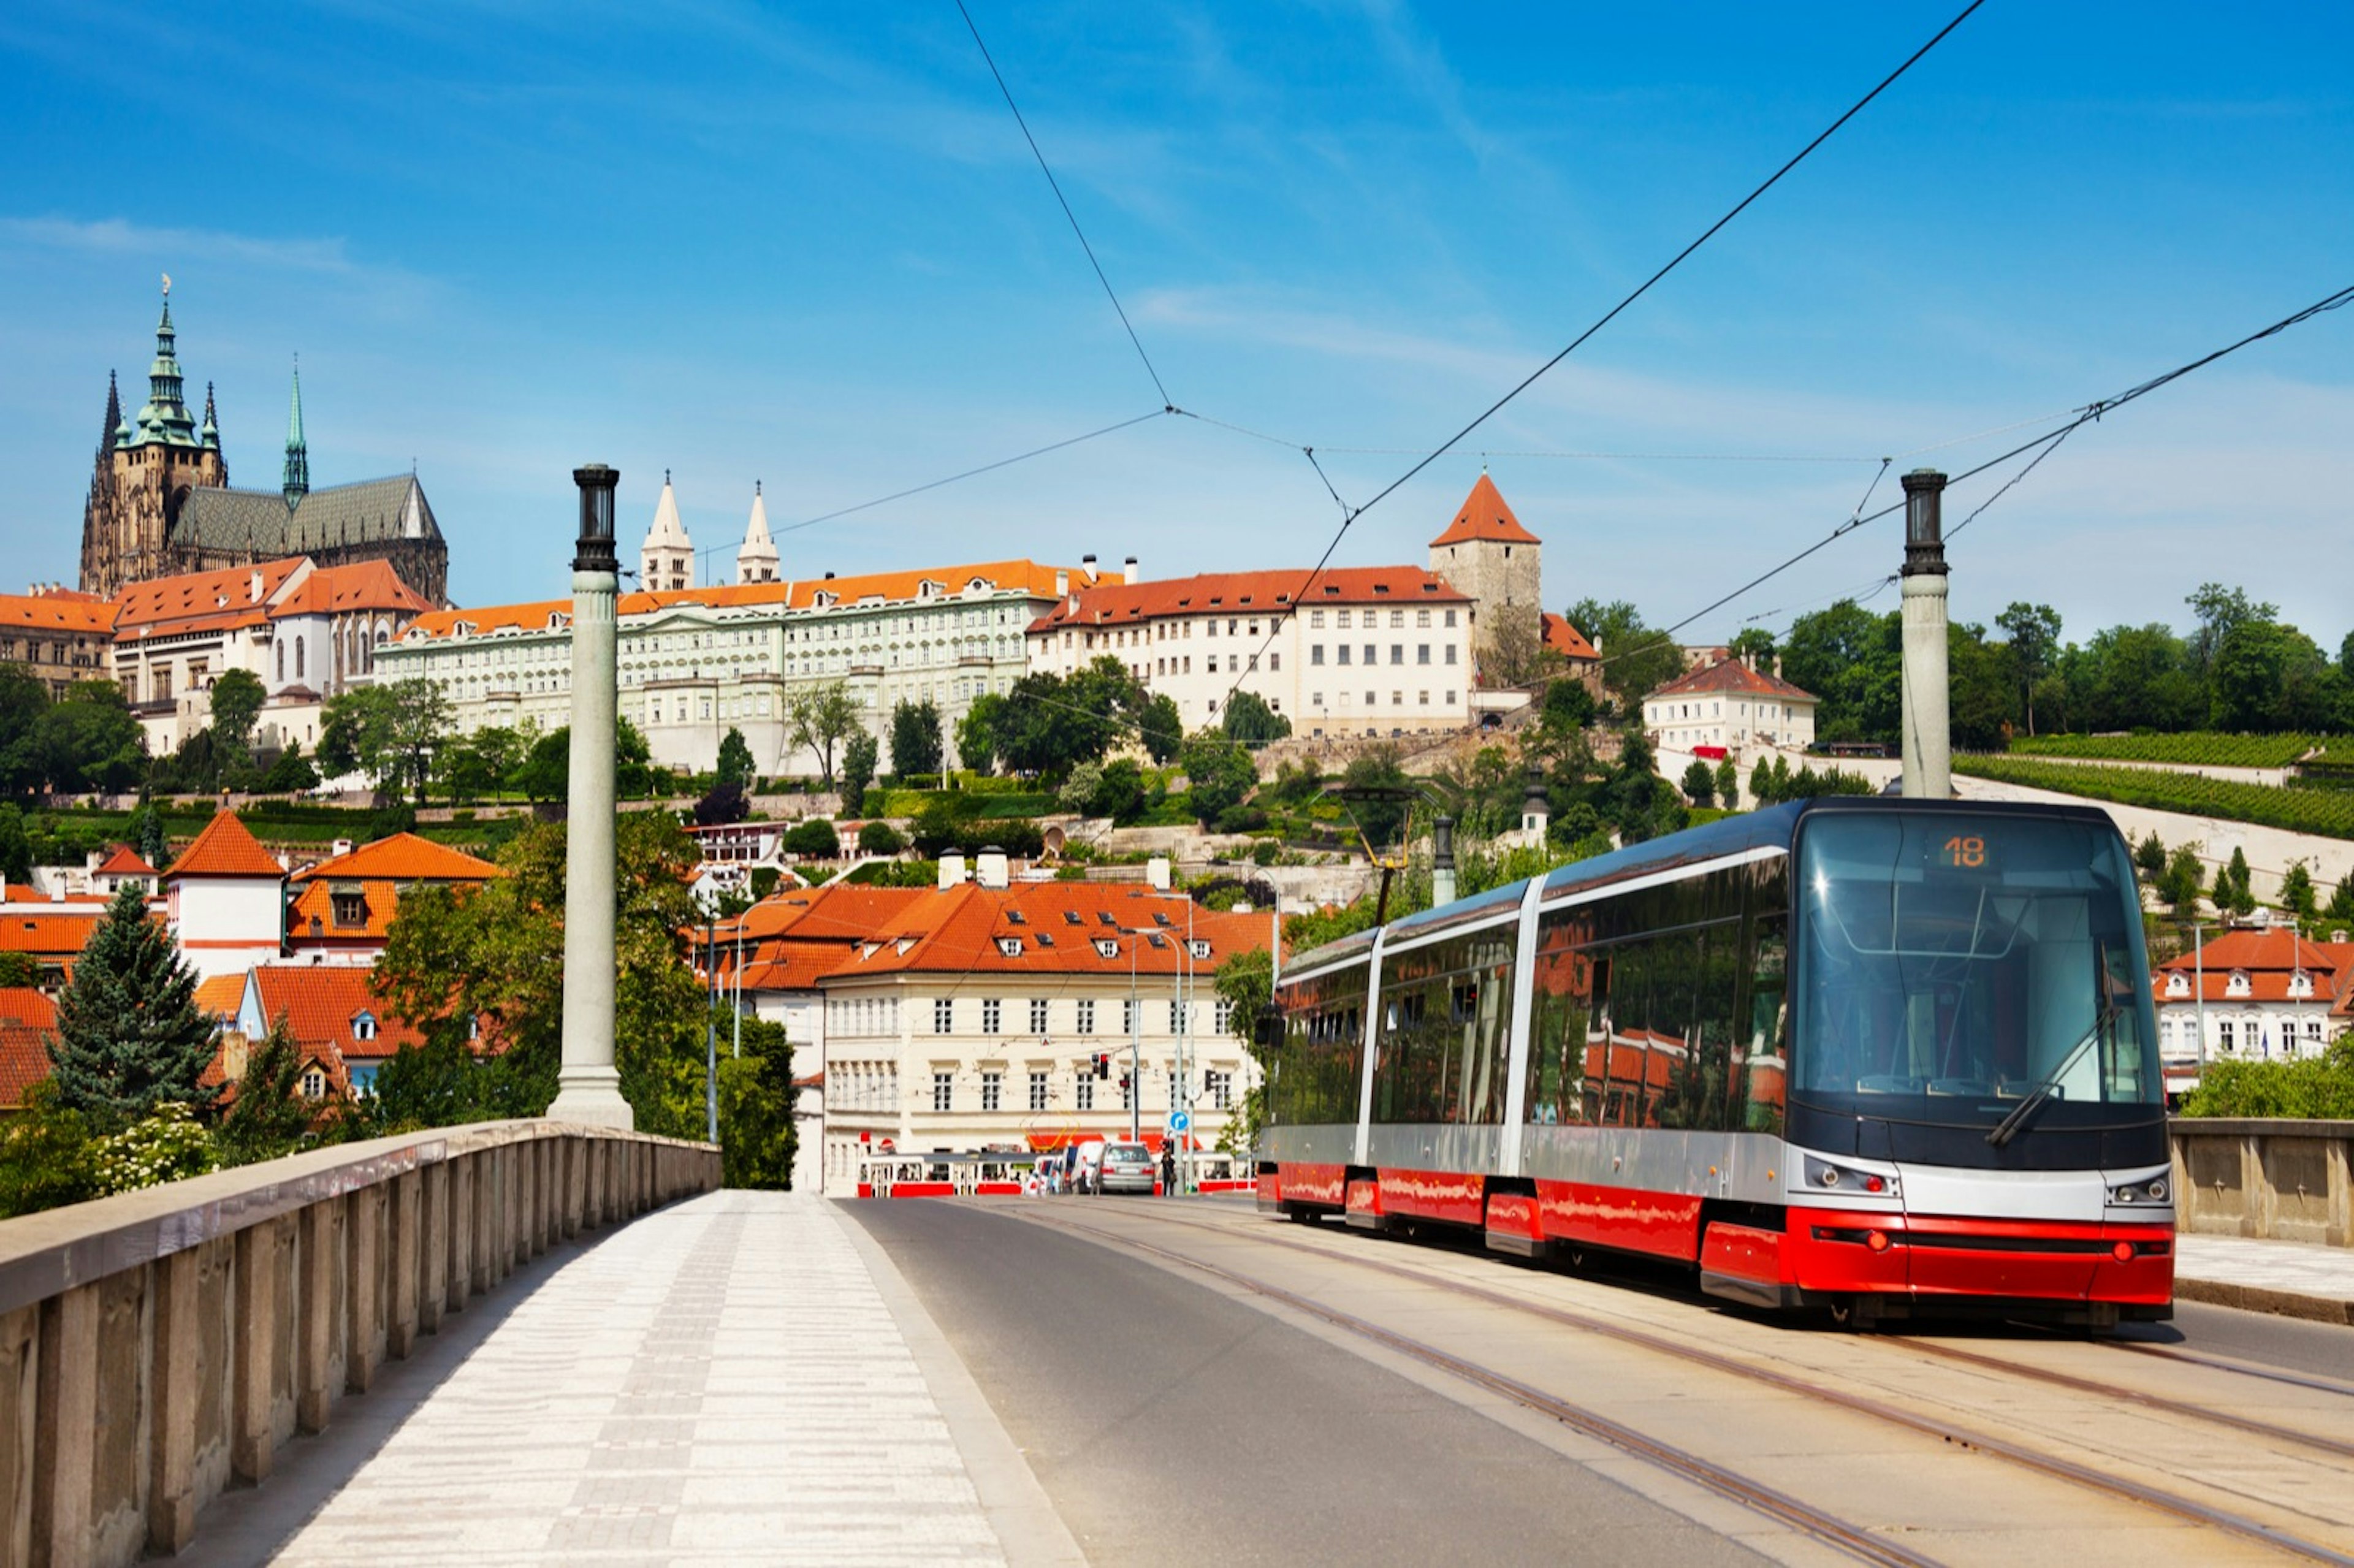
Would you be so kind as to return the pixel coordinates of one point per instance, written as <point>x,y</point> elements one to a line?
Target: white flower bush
<point>166,1144</point>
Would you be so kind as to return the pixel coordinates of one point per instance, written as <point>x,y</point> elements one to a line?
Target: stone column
<point>587,1088</point>
<point>1928,727</point>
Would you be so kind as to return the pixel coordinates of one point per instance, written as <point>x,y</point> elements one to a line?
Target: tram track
<point>2020,1454</point>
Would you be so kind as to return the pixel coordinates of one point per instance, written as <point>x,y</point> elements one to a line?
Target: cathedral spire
<point>757,560</point>
<point>209,436</point>
<point>164,419</point>
<point>113,415</point>
<point>298,454</point>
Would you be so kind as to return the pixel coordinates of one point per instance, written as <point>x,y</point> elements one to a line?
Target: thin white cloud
<point>119,236</point>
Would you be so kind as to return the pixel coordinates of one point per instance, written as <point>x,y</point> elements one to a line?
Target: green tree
<point>1160,729</point>
<point>18,969</point>
<point>2034,633</point>
<point>89,741</point>
<point>1728,784</point>
<point>23,700</point>
<point>269,1117</point>
<point>976,734</point>
<point>1700,783</point>
<point>147,833</point>
<point>756,1132</point>
<point>1250,721</point>
<point>879,837</point>
<point>1380,815</point>
<point>1753,645</point>
<point>16,848</point>
<point>47,1157</point>
<point>289,773</point>
<point>390,732</point>
<point>857,771</point>
<point>1635,659</point>
<point>812,838</point>
<point>1761,785</point>
<point>2298,895</point>
<point>1852,660</point>
<point>2179,887</point>
<point>494,954</point>
<point>236,697</point>
<point>129,1035</point>
<point>1221,774</point>
<point>818,719</point>
<point>736,764</point>
<point>545,771</point>
<point>917,746</point>
<point>2219,610</point>
<point>2340,913</point>
<point>2267,676</point>
<point>635,777</point>
<point>1246,983</point>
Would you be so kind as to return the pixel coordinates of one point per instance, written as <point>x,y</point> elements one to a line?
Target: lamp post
<point>711,1029</point>
<point>1135,1039</point>
<point>589,1089</point>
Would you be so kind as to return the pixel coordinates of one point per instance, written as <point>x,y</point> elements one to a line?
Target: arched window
<point>298,658</point>
<point>281,663</point>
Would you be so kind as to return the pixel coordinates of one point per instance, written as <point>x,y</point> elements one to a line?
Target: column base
<point>591,1096</point>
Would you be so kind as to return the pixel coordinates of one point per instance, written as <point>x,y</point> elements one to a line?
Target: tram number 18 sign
<point>1966,852</point>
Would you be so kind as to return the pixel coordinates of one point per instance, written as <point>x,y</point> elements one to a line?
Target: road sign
<point>1180,1122</point>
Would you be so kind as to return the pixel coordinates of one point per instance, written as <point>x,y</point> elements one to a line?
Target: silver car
<point>1125,1168</point>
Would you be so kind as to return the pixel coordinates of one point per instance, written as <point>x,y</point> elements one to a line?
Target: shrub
<point>812,838</point>
<point>880,837</point>
<point>165,1145</point>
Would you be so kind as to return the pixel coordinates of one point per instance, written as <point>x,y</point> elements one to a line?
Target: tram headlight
<point>2153,1190</point>
<point>1826,1177</point>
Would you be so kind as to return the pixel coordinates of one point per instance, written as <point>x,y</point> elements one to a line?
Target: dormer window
<point>348,905</point>
<point>1107,946</point>
<point>2238,984</point>
<point>1199,947</point>
<point>1010,946</point>
<point>2176,985</point>
<point>364,1026</point>
<point>314,1083</point>
<point>2300,984</point>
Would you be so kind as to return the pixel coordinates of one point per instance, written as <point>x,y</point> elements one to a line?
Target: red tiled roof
<point>404,857</point>
<point>1484,516</point>
<point>225,847</point>
<point>1566,640</point>
<point>124,861</point>
<point>1247,593</point>
<point>362,585</point>
<point>27,1020</point>
<point>195,601</point>
<point>220,996</point>
<point>1731,675</point>
<point>2275,947</point>
<point>319,1002</point>
<point>60,935</point>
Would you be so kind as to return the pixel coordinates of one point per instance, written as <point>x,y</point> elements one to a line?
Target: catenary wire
<point>1055,186</point>
<point>971,473</point>
<point>1351,515</point>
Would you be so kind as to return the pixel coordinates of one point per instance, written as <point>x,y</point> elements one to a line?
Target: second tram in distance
<point>1876,1055</point>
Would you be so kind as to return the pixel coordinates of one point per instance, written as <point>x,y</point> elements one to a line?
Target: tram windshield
<point>1950,965</point>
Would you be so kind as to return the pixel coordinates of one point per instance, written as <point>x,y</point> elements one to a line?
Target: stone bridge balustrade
<point>2274,1177</point>
<point>159,1347</point>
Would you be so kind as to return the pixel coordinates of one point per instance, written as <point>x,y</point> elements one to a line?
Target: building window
<point>1422,698</point>
<point>1450,618</point>
<point>1220,1086</point>
<point>1176,1016</point>
<point>992,1090</point>
<point>992,1014</point>
<point>364,1026</point>
<point>1222,1016</point>
<point>281,663</point>
<point>1344,653</point>
<point>1087,1017</point>
<point>1127,1019</point>
<point>1450,653</point>
<point>314,1084</point>
<point>349,906</point>
<point>1274,660</point>
<point>943,1091</point>
<point>2223,1035</point>
<point>1451,699</point>
<point>1316,620</point>
<point>1086,1096</point>
<point>1037,1091</point>
<point>943,1015</point>
<point>1037,1015</point>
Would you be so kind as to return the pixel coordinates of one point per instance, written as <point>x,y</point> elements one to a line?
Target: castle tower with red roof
<point>226,900</point>
<point>1486,553</point>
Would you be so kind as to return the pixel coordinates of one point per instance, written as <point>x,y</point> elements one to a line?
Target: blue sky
<point>807,246</point>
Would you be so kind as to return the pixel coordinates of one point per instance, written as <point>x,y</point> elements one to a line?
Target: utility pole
<point>711,1028</point>
<point>1926,700</point>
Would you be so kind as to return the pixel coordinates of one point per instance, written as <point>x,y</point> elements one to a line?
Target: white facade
<point>1378,651</point>
<point>1729,704</point>
<point>225,924</point>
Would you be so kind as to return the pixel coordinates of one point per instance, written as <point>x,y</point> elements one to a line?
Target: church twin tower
<point>160,503</point>
<point>666,560</point>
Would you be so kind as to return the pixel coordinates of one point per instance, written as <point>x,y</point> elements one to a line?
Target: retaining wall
<point>159,1347</point>
<point>2281,1179</point>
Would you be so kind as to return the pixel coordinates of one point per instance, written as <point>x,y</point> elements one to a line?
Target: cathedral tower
<point>667,560</point>
<point>144,470</point>
<point>757,560</point>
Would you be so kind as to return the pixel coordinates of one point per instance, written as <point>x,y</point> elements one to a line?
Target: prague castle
<point>160,503</point>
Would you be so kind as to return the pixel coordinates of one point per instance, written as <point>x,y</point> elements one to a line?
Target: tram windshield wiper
<point>2010,1126</point>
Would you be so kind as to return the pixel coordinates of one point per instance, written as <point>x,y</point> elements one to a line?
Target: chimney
<point>257,587</point>
<point>1927,734</point>
<point>1063,582</point>
<point>1129,573</point>
<point>990,868</point>
<point>339,848</point>
<point>952,870</point>
<point>1088,565</point>
<point>234,1046</point>
<point>1156,872</point>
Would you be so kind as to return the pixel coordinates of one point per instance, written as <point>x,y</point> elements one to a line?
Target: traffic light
<point>1103,1065</point>
<point>1123,1083</point>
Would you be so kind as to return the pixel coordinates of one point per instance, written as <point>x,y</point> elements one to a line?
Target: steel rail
<point>2244,1368</point>
<point>2018,1453</point>
<point>1779,1506</point>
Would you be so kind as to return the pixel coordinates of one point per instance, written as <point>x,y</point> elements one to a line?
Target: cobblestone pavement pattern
<point>720,1382</point>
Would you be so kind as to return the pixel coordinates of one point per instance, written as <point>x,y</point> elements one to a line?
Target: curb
<point>2264,1299</point>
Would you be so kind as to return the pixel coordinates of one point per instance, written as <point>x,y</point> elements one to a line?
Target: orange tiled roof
<point>57,612</point>
<point>1246,593</point>
<point>1484,516</point>
<point>1024,575</point>
<point>1731,675</point>
<point>220,996</point>
<point>1056,925</point>
<point>1566,640</point>
<point>319,1002</point>
<point>404,857</point>
<point>124,861</point>
<point>225,847</point>
<point>195,601</point>
<point>26,1019</point>
<point>362,585</point>
<point>2276,947</point>
<point>60,935</point>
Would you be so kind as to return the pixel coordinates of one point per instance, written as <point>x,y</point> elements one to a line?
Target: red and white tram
<point>1877,1056</point>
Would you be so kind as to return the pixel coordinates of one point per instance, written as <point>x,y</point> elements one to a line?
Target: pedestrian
<point>1168,1169</point>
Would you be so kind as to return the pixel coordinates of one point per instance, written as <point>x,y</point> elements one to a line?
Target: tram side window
<point>1564,987</point>
<point>1765,1065</point>
<point>1314,1078</point>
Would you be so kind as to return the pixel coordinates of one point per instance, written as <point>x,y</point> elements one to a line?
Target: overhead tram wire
<point>1353,514</point>
<point>1168,405</point>
<point>2048,441</point>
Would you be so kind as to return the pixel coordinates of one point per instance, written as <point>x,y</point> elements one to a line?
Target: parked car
<point>1125,1168</point>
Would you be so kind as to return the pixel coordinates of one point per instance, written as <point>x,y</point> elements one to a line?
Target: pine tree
<point>269,1115</point>
<point>129,1035</point>
<point>154,848</point>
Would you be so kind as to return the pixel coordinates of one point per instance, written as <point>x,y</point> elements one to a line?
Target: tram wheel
<point>1851,1315</point>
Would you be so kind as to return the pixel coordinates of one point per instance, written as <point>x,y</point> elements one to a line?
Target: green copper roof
<point>163,420</point>
<point>298,456</point>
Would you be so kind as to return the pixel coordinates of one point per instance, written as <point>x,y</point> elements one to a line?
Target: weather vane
<point>167,285</point>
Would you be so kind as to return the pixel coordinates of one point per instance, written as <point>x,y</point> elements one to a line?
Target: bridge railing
<point>158,1346</point>
<point>2281,1179</point>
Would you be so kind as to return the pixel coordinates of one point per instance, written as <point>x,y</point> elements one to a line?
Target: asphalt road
<point>1169,1423</point>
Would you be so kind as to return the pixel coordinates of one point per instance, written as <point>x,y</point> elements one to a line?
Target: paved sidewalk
<point>731,1380</point>
<point>2289,1279</point>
